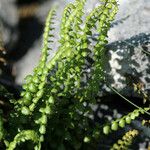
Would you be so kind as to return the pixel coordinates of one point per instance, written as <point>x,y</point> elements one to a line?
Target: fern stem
<point>113,89</point>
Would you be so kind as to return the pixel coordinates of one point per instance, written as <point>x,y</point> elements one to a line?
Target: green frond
<point>71,26</point>
<point>66,13</point>
<point>69,49</point>
<point>33,88</point>
<point>104,17</point>
<point>22,137</point>
<point>121,122</point>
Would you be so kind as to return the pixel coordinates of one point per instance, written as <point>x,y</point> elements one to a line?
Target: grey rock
<point>131,35</point>
<point>129,63</point>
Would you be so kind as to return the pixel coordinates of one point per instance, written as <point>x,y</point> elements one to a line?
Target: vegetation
<point>55,105</point>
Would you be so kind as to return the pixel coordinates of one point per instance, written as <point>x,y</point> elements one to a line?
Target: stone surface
<point>129,63</point>
<point>131,35</point>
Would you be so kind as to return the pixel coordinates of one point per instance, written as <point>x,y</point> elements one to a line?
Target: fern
<point>123,121</point>
<point>22,137</point>
<point>126,140</point>
<point>46,93</point>
<point>54,108</point>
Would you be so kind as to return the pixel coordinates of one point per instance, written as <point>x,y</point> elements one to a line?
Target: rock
<point>136,20</point>
<point>128,62</point>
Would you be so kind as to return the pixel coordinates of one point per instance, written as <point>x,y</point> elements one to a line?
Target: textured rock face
<point>128,38</point>
<point>128,62</point>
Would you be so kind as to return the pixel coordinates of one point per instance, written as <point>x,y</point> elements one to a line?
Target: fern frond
<point>22,137</point>
<point>67,11</point>
<point>105,16</point>
<point>126,140</point>
<point>68,32</point>
<point>69,49</point>
<point>33,88</point>
<point>121,122</point>
<point>70,26</point>
<point>140,108</point>
<point>35,85</point>
<point>72,39</point>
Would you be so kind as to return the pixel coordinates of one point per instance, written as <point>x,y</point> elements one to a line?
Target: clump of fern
<point>54,108</point>
<point>54,105</point>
